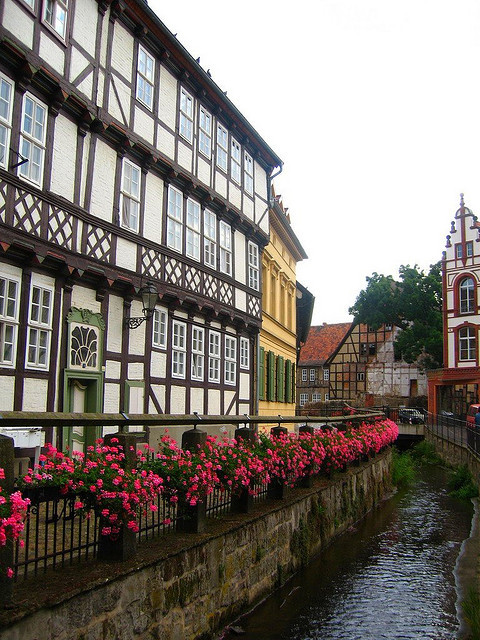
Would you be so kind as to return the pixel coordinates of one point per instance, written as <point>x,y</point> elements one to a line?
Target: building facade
<point>278,335</point>
<point>122,165</point>
<point>457,385</point>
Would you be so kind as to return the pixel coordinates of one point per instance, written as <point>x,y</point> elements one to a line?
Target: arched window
<point>467,296</point>
<point>467,343</point>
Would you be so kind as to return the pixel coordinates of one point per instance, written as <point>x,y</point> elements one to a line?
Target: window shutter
<point>261,374</point>
<point>271,377</point>
<point>288,381</point>
<point>280,379</point>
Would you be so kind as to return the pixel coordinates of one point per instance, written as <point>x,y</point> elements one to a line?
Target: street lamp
<point>149,299</point>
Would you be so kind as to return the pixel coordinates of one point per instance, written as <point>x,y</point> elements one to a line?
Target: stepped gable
<point>322,341</point>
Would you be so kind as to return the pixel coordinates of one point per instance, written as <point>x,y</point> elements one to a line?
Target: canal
<point>390,577</point>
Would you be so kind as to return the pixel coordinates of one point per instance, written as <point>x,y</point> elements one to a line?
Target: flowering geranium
<point>55,469</point>
<point>13,511</point>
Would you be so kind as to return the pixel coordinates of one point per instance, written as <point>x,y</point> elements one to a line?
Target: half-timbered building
<point>124,169</point>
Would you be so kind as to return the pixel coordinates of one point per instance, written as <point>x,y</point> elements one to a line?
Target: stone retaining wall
<point>188,587</point>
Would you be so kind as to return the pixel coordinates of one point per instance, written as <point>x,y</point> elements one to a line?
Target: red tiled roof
<point>322,342</point>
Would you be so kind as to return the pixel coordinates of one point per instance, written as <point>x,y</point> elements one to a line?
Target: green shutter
<point>280,379</point>
<point>261,374</point>
<point>288,381</point>
<point>271,377</point>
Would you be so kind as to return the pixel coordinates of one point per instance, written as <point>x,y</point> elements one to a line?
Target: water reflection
<point>390,578</point>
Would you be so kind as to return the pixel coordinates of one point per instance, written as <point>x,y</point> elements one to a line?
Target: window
<point>55,14</point>
<point>316,397</point>
<point>458,251</point>
<point>193,230</point>
<point>32,139</point>
<point>186,115</point>
<point>9,304</point>
<point>174,219</point>
<point>39,327</point>
<point>230,360</point>
<point>327,397</point>
<point>198,350</point>
<point>225,248</point>
<point>210,239</point>
<point>145,76</point>
<point>130,196</point>
<point>312,375</point>
<point>244,353</point>
<point>160,328</point>
<point>469,249</point>
<point>235,167</point>
<point>248,173</point>
<point>467,343</point>
<point>303,399</point>
<point>222,147</point>
<point>326,375</point>
<point>214,357</point>
<point>372,349</point>
<point>253,267</point>
<point>304,375</point>
<point>467,296</point>
<point>205,137</point>
<point>179,331</point>
<point>6,101</point>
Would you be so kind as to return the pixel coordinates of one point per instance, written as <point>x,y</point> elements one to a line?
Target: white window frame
<point>236,161</point>
<point>244,353</point>
<point>33,136</point>
<point>469,249</point>
<point>327,397</point>
<point>248,173</point>
<point>6,104</point>
<point>130,196</point>
<point>192,233</point>
<point>39,333</point>
<point>230,361</point>
<point>30,3</point>
<point>316,397</point>
<point>145,77</point>
<point>179,349</point>
<point>467,344</point>
<point>312,375</point>
<point>225,242</point>
<point>222,147</point>
<point>303,399</point>
<point>205,133</point>
<point>210,238</point>
<point>55,14</point>
<point>326,375</point>
<point>198,353</point>
<point>253,266</point>
<point>304,375</point>
<point>175,219</point>
<point>466,291</point>
<point>9,312</point>
<point>186,115</point>
<point>159,328</point>
<point>214,353</point>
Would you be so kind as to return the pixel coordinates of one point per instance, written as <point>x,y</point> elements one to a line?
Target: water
<point>389,578</point>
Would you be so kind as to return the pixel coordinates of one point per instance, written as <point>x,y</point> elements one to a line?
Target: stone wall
<point>190,586</point>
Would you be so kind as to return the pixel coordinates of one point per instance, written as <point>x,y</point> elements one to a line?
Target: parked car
<point>472,410</point>
<point>410,416</point>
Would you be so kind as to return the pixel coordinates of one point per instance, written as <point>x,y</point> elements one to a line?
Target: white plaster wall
<point>220,184</point>
<point>84,24</point>
<point>84,298</point>
<point>52,53</point>
<point>244,387</point>
<point>122,51</point>
<point>235,195</point>
<point>240,258</point>
<point>111,400</point>
<point>240,300</point>
<point>144,124</point>
<point>114,324</point>
<point>120,97</point>
<point>159,392</point>
<point>185,157</point>
<point>8,392</point>
<point>159,364</point>
<point>34,394</point>
<point>137,336</point>
<point>196,401</point>
<point>168,98</point>
<point>104,44</point>
<point>177,400</point>
<point>102,182</point>
<point>112,369</point>
<point>260,181</point>
<point>152,220</point>
<point>204,171</point>
<point>245,408</point>
<point>100,87</point>
<point>165,142</point>
<point>78,63</point>
<point>136,371</point>
<point>248,208</point>
<point>83,183</point>
<point>229,396</point>
<point>18,23</point>
<point>261,217</point>
<point>86,86</point>
<point>126,254</point>
<point>63,166</point>
<point>214,402</point>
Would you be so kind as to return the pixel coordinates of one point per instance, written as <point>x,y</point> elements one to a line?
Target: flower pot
<point>116,547</point>
<point>242,502</point>
<point>192,518</point>
<point>277,489</point>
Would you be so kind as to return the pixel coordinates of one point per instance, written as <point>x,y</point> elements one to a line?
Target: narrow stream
<point>391,577</point>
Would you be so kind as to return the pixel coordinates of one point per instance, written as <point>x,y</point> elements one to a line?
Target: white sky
<point>374,108</point>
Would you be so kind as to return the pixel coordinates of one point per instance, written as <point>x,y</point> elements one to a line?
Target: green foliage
<point>461,483</point>
<point>413,303</point>
<point>424,453</point>
<point>471,611</point>
<point>403,469</point>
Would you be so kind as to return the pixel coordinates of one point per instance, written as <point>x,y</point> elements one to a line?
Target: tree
<point>414,304</point>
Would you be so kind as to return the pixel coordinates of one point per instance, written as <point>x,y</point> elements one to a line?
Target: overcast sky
<point>374,108</point>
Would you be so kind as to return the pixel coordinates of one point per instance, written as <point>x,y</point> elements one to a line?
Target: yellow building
<point>278,335</point>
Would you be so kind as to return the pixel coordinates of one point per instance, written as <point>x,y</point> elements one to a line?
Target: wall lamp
<point>149,299</point>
